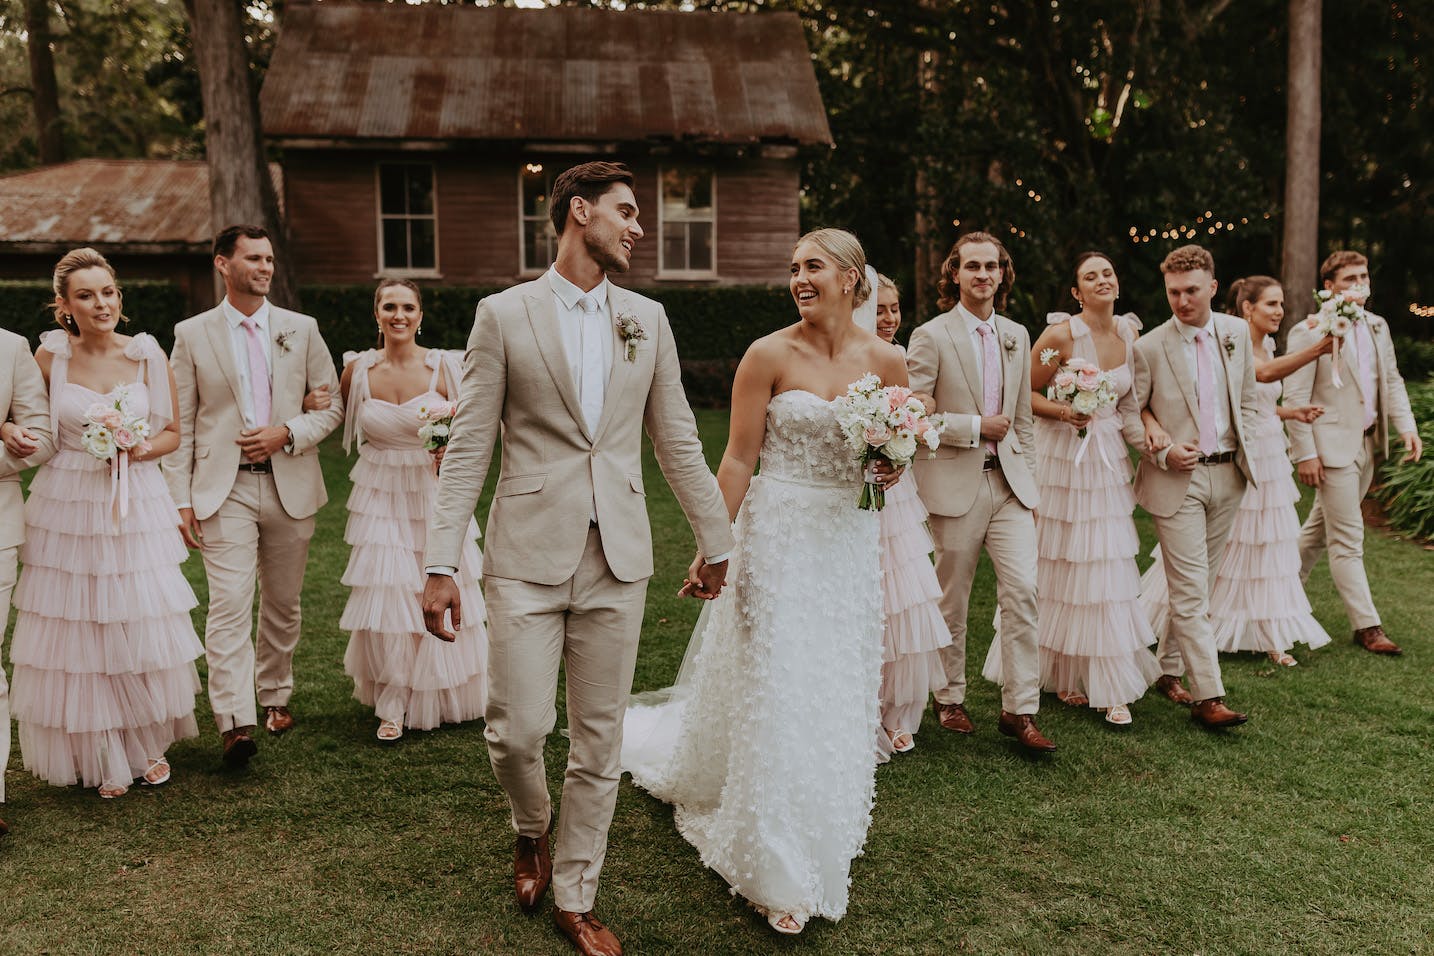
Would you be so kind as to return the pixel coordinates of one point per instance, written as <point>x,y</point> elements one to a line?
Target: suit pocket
<point>201,451</point>
<point>636,482</point>
<point>1328,418</point>
<point>519,485</point>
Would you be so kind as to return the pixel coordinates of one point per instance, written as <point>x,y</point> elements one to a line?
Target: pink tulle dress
<point>103,648</point>
<point>406,675</point>
<point>915,631</point>
<point>1094,637</point>
<point>1258,602</point>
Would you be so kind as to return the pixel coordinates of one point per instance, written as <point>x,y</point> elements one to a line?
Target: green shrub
<point>1415,357</point>
<point>150,305</point>
<point>1407,490</point>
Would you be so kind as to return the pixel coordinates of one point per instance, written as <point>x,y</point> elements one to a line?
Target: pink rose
<point>1065,380</point>
<point>898,395</point>
<point>920,427</point>
<point>876,435</point>
<point>96,412</point>
<point>112,419</point>
<point>1087,379</point>
<point>124,438</point>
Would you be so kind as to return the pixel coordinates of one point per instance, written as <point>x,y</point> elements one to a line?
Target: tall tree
<point>1302,158</point>
<point>240,187</point>
<point>45,90</point>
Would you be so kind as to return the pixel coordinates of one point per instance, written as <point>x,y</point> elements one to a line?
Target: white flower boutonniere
<point>1228,341</point>
<point>282,341</point>
<point>630,330</point>
<point>1009,341</point>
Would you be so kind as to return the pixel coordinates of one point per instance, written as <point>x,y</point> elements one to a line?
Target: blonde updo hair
<point>884,283</point>
<point>847,253</point>
<point>74,261</point>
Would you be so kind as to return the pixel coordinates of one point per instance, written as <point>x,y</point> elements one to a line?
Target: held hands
<point>1072,417</point>
<point>261,444</point>
<point>189,528</point>
<point>19,441</point>
<point>704,581</point>
<point>1413,447</point>
<point>1306,413</point>
<point>1156,438</point>
<point>994,427</point>
<point>440,595</point>
<point>885,473</point>
<point>1183,457</point>
<point>318,399</point>
<point>438,458</point>
<point>1311,472</point>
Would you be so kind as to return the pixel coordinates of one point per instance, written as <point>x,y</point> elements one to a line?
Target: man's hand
<point>440,595</point>
<point>1306,413</point>
<point>18,441</point>
<point>1311,472</point>
<point>704,581</point>
<point>317,400</point>
<point>1413,447</point>
<point>261,444</point>
<point>438,454</point>
<point>1183,457</point>
<point>927,400</point>
<point>189,528</point>
<point>886,473</point>
<point>994,427</point>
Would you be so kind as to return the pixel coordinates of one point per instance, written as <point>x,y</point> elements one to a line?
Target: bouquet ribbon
<point>119,486</point>
<point>1099,446</point>
<point>1334,360</point>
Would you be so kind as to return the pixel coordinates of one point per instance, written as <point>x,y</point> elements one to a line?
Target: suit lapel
<point>1175,355</point>
<point>1009,367</point>
<point>1232,387</point>
<point>966,355</point>
<point>281,373</point>
<point>623,371</point>
<point>217,331</point>
<point>543,316</point>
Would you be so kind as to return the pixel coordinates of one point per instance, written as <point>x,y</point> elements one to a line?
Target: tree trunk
<point>240,189</point>
<point>1299,266</point>
<point>50,133</point>
<point>928,229</point>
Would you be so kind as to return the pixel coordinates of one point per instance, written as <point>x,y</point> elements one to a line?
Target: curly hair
<point>1189,258</point>
<point>949,288</point>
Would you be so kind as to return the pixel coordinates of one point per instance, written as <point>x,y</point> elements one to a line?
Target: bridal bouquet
<point>436,419</point>
<point>886,423</point>
<point>1082,383</point>
<point>112,427</point>
<point>1336,317</point>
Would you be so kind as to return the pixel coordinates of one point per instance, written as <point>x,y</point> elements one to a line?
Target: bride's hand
<point>886,473</point>
<point>690,583</point>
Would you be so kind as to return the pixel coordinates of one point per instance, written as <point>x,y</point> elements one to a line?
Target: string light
<point>1421,311</point>
<point>1212,226</point>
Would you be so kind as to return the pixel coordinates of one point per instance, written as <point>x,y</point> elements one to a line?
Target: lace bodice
<point>804,443</point>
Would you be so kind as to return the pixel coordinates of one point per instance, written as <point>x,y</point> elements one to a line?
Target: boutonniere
<point>630,330</point>
<point>1228,340</point>
<point>282,341</point>
<point>1009,341</point>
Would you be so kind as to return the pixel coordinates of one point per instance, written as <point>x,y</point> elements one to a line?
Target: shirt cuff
<point>289,445</point>
<point>717,559</point>
<point>186,504</point>
<point>442,569</point>
<point>1306,458</point>
<point>1161,455</point>
<point>975,440</point>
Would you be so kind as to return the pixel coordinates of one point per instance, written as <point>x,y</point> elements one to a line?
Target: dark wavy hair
<point>950,290</point>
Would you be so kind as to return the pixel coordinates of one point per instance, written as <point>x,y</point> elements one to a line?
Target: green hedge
<point>150,305</point>
<point>1407,490</point>
<point>1415,356</point>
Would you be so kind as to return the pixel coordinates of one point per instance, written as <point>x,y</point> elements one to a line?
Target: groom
<point>570,370</point>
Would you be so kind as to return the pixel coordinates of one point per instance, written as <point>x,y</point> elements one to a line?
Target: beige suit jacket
<point>1163,384</point>
<point>25,402</point>
<point>943,363</point>
<point>202,470</point>
<point>1337,435</point>
<point>516,384</point>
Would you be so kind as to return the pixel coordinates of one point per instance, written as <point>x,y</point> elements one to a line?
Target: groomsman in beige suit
<point>1196,375</point>
<point>569,369</point>
<point>27,443</point>
<point>1336,455</point>
<point>980,489</point>
<point>246,479</point>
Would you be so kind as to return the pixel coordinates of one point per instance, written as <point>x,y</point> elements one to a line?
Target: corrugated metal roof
<point>161,203</point>
<point>430,72</point>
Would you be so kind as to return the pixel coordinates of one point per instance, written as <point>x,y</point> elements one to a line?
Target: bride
<point>764,746</point>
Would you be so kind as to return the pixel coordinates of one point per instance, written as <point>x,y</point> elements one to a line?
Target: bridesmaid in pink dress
<point>103,649</point>
<point>1093,635</point>
<point>915,631</point>
<point>411,680</point>
<point>1258,603</point>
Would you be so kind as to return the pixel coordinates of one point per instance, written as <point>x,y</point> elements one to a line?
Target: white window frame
<point>380,217</point>
<point>526,268</point>
<point>663,272</point>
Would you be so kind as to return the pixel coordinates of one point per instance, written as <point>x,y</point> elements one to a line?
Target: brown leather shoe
<point>1023,728</point>
<point>1214,713</point>
<point>4,828</point>
<point>239,746</point>
<point>587,933</point>
<point>277,720</point>
<point>1374,640</point>
<point>1170,686</point>
<point>953,717</point>
<point>532,868</point>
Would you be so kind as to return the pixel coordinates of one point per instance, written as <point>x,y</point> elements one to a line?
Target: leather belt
<point>991,463</point>
<point>257,467</point>
<point>1222,458</point>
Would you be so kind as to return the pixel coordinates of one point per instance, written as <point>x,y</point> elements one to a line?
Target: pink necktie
<point>1205,378</point>
<point>990,376</point>
<point>1364,359</point>
<point>258,373</point>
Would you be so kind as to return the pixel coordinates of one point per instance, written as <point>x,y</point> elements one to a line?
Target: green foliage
<point>1407,490</point>
<point>150,305</point>
<point>1416,357</point>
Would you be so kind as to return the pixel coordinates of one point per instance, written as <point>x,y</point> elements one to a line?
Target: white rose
<point>1085,403</point>
<point>1340,325</point>
<point>901,449</point>
<point>932,438</point>
<point>98,442</point>
<point>440,430</point>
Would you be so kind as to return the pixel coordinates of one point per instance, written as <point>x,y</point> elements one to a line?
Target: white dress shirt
<point>973,325</point>
<point>1224,433</point>
<point>581,335</point>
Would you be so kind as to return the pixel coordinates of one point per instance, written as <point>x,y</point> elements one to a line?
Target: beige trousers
<point>9,572</point>
<point>590,624</point>
<point>1192,542</point>
<point>1337,522</point>
<point>1006,528</point>
<point>252,536</point>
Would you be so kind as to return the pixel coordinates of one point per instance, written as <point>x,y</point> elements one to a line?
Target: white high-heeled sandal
<point>895,735</point>
<point>149,779</point>
<point>1282,658</point>
<point>1118,715</point>
<point>775,921</point>
<point>389,730</point>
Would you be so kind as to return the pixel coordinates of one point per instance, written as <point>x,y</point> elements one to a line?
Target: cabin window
<point>407,219</point>
<point>539,241</point>
<point>687,222</point>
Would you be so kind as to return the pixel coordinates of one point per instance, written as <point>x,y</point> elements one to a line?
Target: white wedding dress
<point>764,746</point>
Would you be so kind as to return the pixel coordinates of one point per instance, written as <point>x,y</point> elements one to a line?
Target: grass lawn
<point>1309,830</point>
